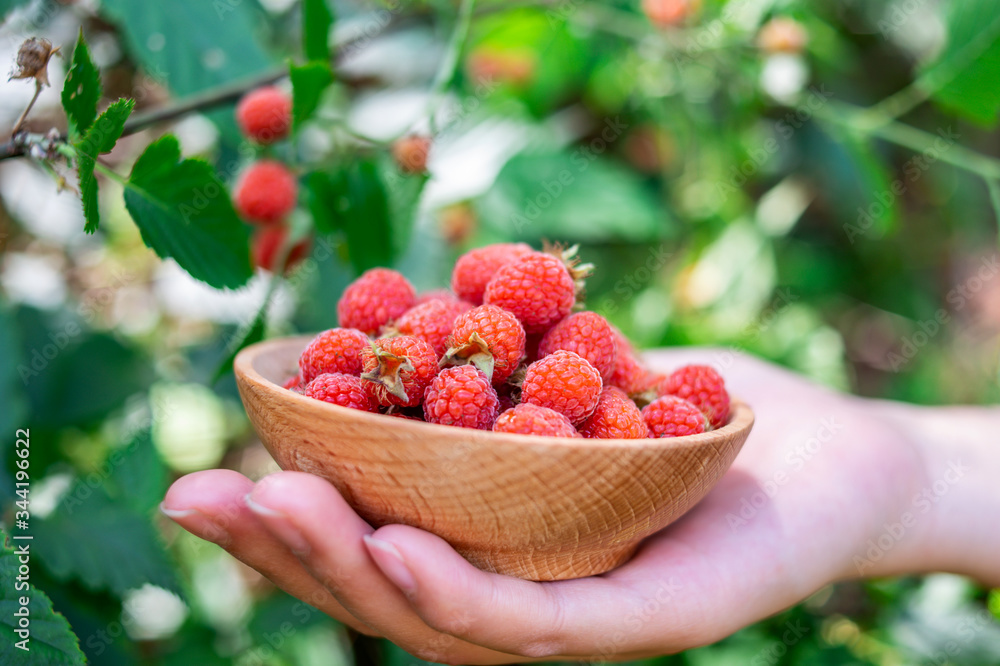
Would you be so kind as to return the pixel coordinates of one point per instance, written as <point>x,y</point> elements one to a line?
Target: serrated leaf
<point>317,17</point>
<point>82,90</point>
<point>365,218</point>
<point>308,83</point>
<point>183,211</point>
<point>191,45</point>
<point>52,642</point>
<point>103,544</point>
<point>100,138</point>
<point>964,75</point>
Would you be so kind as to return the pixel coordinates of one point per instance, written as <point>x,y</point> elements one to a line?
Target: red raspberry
<point>431,321</point>
<point>563,381</point>
<point>293,384</point>
<point>340,389</point>
<point>589,335</point>
<point>398,370</point>
<point>476,268</point>
<point>265,114</point>
<point>671,416</point>
<point>629,374</point>
<point>665,13</point>
<point>335,350</point>
<point>461,396</point>
<point>489,338</point>
<point>410,153</point>
<point>375,299</point>
<point>528,419</point>
<point>703,387</point>
<point>438,295</point>
<point>267,243</point>
<point>537,288</point>
<point>616,417</point>
<point>266,192</point>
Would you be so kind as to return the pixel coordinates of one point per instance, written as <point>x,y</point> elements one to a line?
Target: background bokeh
<point>807,181</point>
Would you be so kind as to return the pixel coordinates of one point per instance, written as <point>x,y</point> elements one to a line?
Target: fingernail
<point>198,524</point>
<point>281,526</point>
<point>391,563</point>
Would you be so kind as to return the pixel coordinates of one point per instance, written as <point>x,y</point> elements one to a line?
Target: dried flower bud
<point>33,60</point>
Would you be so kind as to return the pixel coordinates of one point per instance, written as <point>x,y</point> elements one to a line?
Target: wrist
<point>949,520</point>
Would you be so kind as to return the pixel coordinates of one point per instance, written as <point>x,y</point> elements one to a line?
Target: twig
<point>24,115</point>
<point>450,62</point>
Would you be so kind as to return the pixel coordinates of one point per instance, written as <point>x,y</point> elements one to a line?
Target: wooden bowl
<point>541,508</point>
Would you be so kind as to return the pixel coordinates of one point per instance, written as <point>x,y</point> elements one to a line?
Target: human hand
<point>821,475</point>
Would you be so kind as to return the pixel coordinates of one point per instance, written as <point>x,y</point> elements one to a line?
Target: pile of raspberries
<point>503,351</point>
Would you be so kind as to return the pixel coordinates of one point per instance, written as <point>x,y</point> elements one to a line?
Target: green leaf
<point>964,75</point>
<point>82,90</point>
<point>404,191</point>
<point>191,45</point>
<point>365,220</point>
<point>317,18</point>
<point>183,211</point>
<point>52,641</point>
<point>572,196</point>
<point>138,478</point>
<point>102,543</point>
<point>100,138</point>
<point>325,200</point>
<point>308,83</point>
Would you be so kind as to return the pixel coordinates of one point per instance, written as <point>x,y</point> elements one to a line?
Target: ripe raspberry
<point>374,299</point>
<point>665,13</point>
<point>629,374</point>
<point>671,416</point>
<point>703,387</point>
<point>267,243</point>
<point>528,419</point>
<point>616,417</point>
<point>538,289</point>
<point>432,322</point>
<point>589,335</point>
<point>782,35</point>
<point>265,114</point>
<point>266,192</point>
<point>476,268</point>
<point>340,389</point>
<point>294,383</point>
<point>461,396</point>
<point>398,370</point>
<point>489,338</point>
<point>563,381</point>
<point>410,153</point>
<point>335,350</point>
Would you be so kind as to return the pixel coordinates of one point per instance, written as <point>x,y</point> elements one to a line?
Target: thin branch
<point>24,115</point>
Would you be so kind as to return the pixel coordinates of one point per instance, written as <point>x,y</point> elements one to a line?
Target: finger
<point>309,515</point>
<point>567,618</point>
<point>211,505</point>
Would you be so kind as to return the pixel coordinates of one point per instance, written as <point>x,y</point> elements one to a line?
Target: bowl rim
<point>740,415</point>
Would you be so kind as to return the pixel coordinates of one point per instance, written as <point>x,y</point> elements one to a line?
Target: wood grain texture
<point>541,508</point>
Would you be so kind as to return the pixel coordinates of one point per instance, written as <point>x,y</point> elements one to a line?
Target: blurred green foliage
<point>818,206</point>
